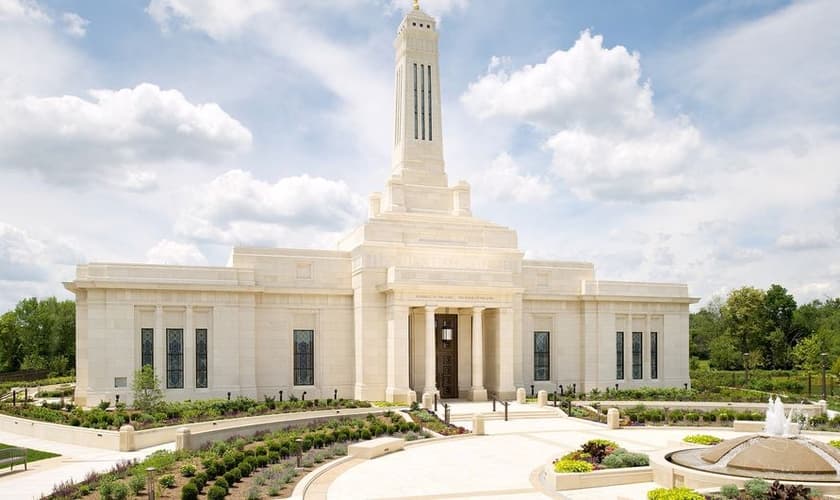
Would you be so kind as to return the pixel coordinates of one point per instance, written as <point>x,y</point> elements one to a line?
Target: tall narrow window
<point>654,355</point>
<point>147,347</point>
<point>429,68</point>
<point>422,103</point>
<point>304,357</point>
<point>201,358</point>
<point>619,355</point>
<point>637,355</point>
<point>415,101</point>
<point>174,358</point>
<point>542,356</point>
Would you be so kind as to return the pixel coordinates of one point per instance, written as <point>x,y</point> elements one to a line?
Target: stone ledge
<point>375,447</point>
<point>597,478</point>
<point>748,426</point>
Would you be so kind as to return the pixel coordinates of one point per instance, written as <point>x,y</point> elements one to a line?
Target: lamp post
<point>823,358</point>
<point>299,443</point>
<point>746,368</point>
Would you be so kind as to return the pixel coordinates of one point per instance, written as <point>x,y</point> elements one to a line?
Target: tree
<point>147,392</point>
<point>723,354</point>
<point>780,306</point>
<point>11,352</point>
<point>39,335</point>
<point>704,326</point>
<point>745,318</point>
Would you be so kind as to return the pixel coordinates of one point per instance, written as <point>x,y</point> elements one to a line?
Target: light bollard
<point>150,482</point>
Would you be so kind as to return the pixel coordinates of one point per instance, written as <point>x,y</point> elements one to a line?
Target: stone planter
<point>594,479</point>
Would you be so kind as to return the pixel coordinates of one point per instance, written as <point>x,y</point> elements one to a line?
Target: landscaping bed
<point>430,421</point>
<point>257,467</point>
<point>169,413</point>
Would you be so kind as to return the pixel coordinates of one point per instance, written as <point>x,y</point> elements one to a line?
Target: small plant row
<point>214,470</point>
<point>704,439</point>
<point>431,421</point>
<point>171,413</point>
<point>598,454</point>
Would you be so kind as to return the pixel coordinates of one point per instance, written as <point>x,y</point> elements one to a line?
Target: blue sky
<point>693,142</point>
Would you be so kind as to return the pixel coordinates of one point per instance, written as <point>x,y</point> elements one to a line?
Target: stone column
<point>477,391</point>
<point>430,386</point>
<point>397,352</point>
<point>159,352</point>
<point>505,353</point>
<point>189,350</point>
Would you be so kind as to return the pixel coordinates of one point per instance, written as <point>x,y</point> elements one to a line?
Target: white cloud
<point>604,136</point>
<point>236,208</point>
<point>504,180</point>
<point>435,8</point>
<point>74,24</point>
<point>25,257</point>
<point>585,86</point>
<point>220,19</point>
<point>72,140</point>
<point>805,241</point>
<point>175,253</point>
<point>28,10</point>
<point>610,166</point>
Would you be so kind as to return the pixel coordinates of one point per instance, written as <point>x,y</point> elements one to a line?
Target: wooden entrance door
<point>447,355</point>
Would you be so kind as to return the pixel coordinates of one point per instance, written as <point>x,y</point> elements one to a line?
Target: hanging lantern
<point>446,333</point>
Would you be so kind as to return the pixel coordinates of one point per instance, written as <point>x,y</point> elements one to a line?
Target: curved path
<point>503,464</point>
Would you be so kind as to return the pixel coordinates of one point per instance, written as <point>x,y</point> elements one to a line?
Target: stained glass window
<point>542,356</point>
<point>619,355</point>
<point>654,355</point>
<point>147,347</point>
<point>637,355</point>
<point>174,358</point>
<point>201,358</point>
<point>304,357</point>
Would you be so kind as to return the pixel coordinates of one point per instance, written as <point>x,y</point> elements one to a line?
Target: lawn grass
<point>32,455</point>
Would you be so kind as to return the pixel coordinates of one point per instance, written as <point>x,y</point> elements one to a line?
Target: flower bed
<point>598,462</point>
<point>253,468</point>
<point>431,421</point>
<point>171,413</point>
<point>704,439</point>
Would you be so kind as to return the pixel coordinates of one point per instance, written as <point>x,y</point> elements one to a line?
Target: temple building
<point>421,298</point>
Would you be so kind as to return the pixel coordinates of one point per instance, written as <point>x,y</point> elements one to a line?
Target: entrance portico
<point>448,351</point>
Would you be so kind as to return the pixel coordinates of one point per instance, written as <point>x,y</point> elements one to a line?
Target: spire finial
<point>416,4</point>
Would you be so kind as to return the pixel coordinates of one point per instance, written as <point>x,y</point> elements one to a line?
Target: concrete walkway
<point>73,464</point>
<point>504,464</point>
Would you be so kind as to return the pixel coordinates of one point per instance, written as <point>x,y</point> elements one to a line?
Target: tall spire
<point>416,4</point>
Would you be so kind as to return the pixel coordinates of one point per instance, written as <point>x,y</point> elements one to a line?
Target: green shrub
<point>189,492</point>
<point>106,489</point>
<point>167,481</point>
<point>103,405</point>
<point>756,488</point>
<point>245,468</point>
<point>702,439</point>
<point>565,466</point>
<point>222,483</point>
<point>188,470</point>
<point>119,490</point>
<point>216,493</point>
<point>136,483</point>
<point>729,491</point>
<point>835,443</point>
<point>674,494</point>
<point>818,420</point>
<point>577,455</point>
<point>622,458</point>
<point>200,480</point>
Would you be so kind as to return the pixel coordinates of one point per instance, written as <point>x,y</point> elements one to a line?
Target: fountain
<point>777,453</point>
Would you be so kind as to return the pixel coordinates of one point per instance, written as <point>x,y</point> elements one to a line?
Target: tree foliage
<point>770,327</point>
<point>39,334</point>
<point>147,392</point>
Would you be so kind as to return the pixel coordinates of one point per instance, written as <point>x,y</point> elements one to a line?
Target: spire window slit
<point>422,103</point>
<point>415,101</point>
<point>429,68</point>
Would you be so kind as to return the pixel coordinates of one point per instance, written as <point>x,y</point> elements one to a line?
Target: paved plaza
<point>505,463</point>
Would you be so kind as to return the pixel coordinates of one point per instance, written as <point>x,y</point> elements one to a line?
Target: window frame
<point>637,366</point>
<point>542,359</point>
<point>299,372</point>
<point>619,355</point>
<point>147,358</point>
<point>201,355</point>
<point>654,355</point>
<point>174,358</point>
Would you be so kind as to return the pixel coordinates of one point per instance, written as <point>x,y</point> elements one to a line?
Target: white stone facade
<point>378,306</point>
